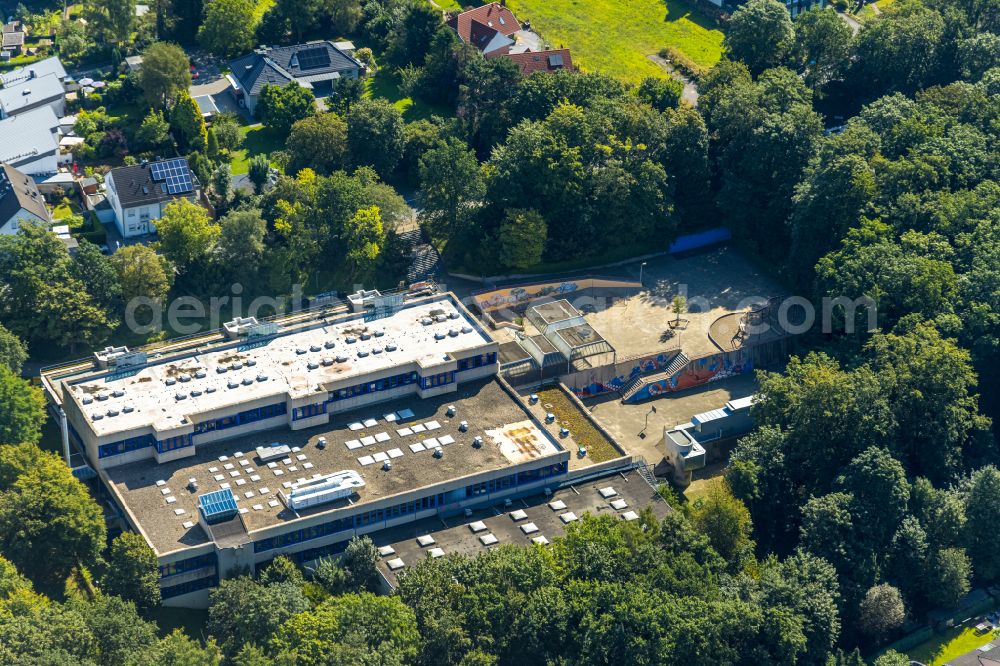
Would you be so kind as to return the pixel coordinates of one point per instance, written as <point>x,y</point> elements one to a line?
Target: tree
<point>280,107</point>
<point>364,236</point>
<point>522,237</point>
<point>877,482</point>
<point>228,28</point>
<point>982,502</point>
<point>222,183</point>
<point>678,306</point>
<point>212,146</point>
<point>725,521</point>
<point>176,649</point>
<point>882,611</point>
<point>241,239</point>
<point>154,130</point>
<point>410,42</point>
<point>111,20</point>
<point>892,658</point>
<point>343,15</point>
<point>142,273</point>
<point>451,186</point>
<point>22,409</point>
<point>344,93</point>
<point>359,561</point>
<point>13,353</point>
<point>227,131</point>
<point>49,523</point>
<point>165,72</point>
<point>661,93</point>
<point>259,171</point>
<point>948,577</point>
<point>907,559</point>
<point>375,135</point>
<point>686,158</point>
<point>188,124</point>
<point>132,571</point>
<point>760,34</point>
<point>242,610</point>
<point>187,233</point>
<point>822,45</point>
<point>319,143</point>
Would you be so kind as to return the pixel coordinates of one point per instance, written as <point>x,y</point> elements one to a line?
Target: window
<point>125,446</point>
<point>439,379</point>
<point>248,416</point>
<point>476,361</point>
<point>190,586</point>
<point>184,566</point>
<point>308,411</point>
<point>173,443</point>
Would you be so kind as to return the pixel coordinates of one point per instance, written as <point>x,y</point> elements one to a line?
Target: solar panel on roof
<point>556,60</point>
<point>174,174</point>
<point>313,58</point>
<point>217,506</point>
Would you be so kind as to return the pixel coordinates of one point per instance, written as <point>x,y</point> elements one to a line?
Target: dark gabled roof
<point>542,61</point>
<point>136,187</point>
<point>280,65</point>
<point>12,39</point>
<point>19,191</point>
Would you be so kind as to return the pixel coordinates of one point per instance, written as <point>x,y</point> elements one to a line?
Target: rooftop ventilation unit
<point>261,378</point>
<point>98,417</point>
<point>314,348</point>
<point>118,393</point>
<point>300,351</point>
<point>312,365</point>
<point>351,339</point>
<point>180,396</point>
<point>453,333</point>
<point>426,321</point>
<point>376,350</point>
<point>102,396</point>
<point>128,409</point>
<point>329,344</point>
<point>200,374</point>
<point>250,363</point>
<point>440,336</point>
<point>87,400</point>
<point>386,466</point>
<point>275,451</point>
<point>327,362</point>
<point>112,412</point>
<point>195,393</point>
<point>233,385</point>
<point>323,489</point>
<point>210,389</point>
<point>453,315</point>
<point>236,366</point>
<point>170,381</point>
<point>341,359</point>
<point>221,370</point>
<point>366,336</point>
<point>362,353</point>
<point>184,378</point>
<point>466,329</point>
<point>451,410</point>
<point>439,453</point>
<point>379,334</point>
<point>390,347</point>
<point>477,442</point>
<point>247,381</point>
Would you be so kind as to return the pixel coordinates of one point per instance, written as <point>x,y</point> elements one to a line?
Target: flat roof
<point>510,437</point>
<point>554,311</point>
<point>276,369</point>
<point>454,535</point>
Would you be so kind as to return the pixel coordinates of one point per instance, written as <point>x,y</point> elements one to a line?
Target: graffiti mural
<point>699,371</point>
<point>593,382</point>
<point>515,298</point>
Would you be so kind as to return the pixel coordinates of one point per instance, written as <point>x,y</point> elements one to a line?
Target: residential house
<point>20,201</point>
<point>30,141</point>
<point>12,42</point>
<point>138,194</point>
<point>551,60</point>
<point>32,87</point>
<point>496,33</point>
<point>313,65</point>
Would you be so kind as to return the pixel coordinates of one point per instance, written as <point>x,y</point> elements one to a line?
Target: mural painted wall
<point>588,383</point>
<point>700,371</point>
<point>518,297</point>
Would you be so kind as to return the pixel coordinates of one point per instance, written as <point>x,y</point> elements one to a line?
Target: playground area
<point>641,319</point>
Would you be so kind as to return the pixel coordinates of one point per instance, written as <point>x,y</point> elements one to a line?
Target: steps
<point>425,261</point>
<point>676,365</point>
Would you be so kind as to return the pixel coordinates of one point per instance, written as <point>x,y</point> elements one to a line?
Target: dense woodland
<point>854,165</point>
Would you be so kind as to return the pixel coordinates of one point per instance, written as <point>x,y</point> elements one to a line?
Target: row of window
<point>248,416</point>
<point>308,411</point>
<point>514,480</point>
<point>172,443</point>
<point>125,446</point>
<point>476,361</point>
<point>190,564</point>
<point>439,379</point>
<point>348,523</point>
<point>384,384</point>
<point>189,586</point>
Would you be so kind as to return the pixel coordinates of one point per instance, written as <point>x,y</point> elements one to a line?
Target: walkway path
<point>690,94</point>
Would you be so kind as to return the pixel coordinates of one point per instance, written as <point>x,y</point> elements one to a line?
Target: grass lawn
<point>867,13</point>
<point>257,140</point>
<point>948,645</point>
<point>705,480</point>
<point>385,84</point>
<point>615,36</point>
<point>62,211</point>
<point>583,432</point>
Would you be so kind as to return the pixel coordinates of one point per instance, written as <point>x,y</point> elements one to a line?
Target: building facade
<point>138,194</point>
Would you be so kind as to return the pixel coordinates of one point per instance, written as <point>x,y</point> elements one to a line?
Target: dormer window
<point>294,62</point>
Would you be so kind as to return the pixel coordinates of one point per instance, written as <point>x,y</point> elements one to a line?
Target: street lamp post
<point>641,266</point>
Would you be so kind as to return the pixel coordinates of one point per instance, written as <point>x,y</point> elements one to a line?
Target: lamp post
<point>641,266</point>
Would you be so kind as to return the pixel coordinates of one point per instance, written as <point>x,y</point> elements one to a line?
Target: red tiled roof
<point>492,18</point>
<point>542,61</point>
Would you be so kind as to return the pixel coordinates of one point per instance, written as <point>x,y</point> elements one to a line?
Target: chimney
<point>31,73</point>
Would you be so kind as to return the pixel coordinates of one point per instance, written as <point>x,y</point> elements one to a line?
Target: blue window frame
<point>476,361</point>
<point>189,586</point>
<point>173,443</point>
<point>384,384</point>
<point>125,446</point>
<point>308,411</point>
<point>439,379</point>
<point>349,523</point>
<point>248,416</point>
<point>190,564</point>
